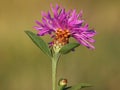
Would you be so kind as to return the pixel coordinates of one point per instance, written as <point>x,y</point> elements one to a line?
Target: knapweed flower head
<point>62,25</point>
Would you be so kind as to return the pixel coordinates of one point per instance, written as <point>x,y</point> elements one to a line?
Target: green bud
<point>63,82</point>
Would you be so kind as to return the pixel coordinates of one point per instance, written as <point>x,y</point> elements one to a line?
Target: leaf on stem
<point>68,47</point>
<point>80,86</point>
<point>39,42</point>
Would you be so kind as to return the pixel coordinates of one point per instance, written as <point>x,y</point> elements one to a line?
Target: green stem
<point>54,69</point>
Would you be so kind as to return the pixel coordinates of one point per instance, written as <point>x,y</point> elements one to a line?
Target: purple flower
<point>65,24</point>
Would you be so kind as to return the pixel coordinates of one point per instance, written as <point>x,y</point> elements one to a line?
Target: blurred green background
<point>24,67</point>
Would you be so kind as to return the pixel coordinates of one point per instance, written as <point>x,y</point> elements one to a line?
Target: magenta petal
<point>66,20</point>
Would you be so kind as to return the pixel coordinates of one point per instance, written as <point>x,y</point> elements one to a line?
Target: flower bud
<point>63,82</point>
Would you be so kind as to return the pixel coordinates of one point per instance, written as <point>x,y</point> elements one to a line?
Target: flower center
<point>61,38</point>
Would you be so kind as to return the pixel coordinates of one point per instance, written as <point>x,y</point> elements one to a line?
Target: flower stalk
<point>55,60</point>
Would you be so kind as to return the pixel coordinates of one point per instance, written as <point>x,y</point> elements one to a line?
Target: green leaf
<point>39,42</point>
<point>61,87</point>
<point>79,86</point>
<point>68,47</point>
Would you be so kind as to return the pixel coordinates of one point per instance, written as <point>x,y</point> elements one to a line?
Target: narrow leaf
<point>64,88</point>
<point>61,87</point>
<point>79,86</point>
<point>68,47</point>
<point>39,42</point>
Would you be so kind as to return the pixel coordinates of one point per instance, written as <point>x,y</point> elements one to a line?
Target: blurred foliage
<point>24,67</point>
